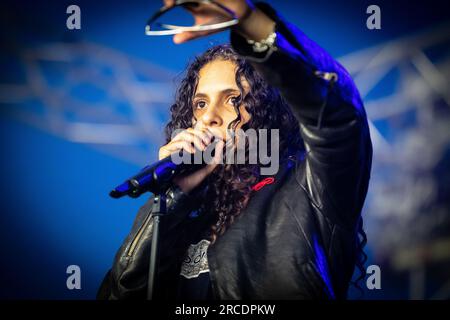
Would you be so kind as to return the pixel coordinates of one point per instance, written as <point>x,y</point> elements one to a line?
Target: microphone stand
<point>158,210</point>
<point>157,179</point>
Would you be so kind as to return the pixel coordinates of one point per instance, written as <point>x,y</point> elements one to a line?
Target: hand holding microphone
<point>161,175</point>
<point>192,140</point>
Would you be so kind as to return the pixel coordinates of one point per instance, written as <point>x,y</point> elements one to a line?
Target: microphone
<point>158,177</point>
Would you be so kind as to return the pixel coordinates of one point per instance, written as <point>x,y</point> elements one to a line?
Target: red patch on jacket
<point>262,183</point>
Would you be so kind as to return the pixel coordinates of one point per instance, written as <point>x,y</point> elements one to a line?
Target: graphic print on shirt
<point>196,260</point>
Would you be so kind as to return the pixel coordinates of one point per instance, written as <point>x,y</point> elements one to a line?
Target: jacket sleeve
<point>331,116</point>
<point>128,277</point>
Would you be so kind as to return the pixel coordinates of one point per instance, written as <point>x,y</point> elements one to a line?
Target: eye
<point>235,100</point>
<point>200,104</point>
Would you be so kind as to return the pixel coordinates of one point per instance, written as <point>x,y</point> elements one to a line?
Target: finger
<point>216,133</point>
<point>196,139</point>
<point>183,37</point>
<point>178,136</point>
<point>218,152</point>
<point>180,145</point>
<point>204,131</point>
<point>169,3</point>
<point>186,146</point>
<point>191,35</point>
<point>189,136</point>
<point>204,135</point>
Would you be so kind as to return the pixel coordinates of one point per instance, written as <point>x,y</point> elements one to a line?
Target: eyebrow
<point>223,92</point>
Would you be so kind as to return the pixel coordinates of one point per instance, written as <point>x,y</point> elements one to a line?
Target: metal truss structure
<point>405,86</point>
<point>91,94</point>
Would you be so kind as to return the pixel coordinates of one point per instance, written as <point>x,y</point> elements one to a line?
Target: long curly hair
<point>228,187</point>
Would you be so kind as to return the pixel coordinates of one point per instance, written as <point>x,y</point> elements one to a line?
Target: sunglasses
<point>152,27</point>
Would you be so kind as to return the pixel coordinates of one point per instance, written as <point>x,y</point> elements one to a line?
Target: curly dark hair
<point>229,186</point>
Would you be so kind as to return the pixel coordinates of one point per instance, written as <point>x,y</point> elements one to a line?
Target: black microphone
<point>158,177</point>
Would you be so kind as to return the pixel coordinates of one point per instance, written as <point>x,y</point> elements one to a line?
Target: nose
<point>211,117</point>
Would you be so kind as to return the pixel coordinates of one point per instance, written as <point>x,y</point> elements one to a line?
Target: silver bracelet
<point>263,45</point>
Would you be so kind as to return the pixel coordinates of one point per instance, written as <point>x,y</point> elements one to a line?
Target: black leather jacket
<point>297,237</point>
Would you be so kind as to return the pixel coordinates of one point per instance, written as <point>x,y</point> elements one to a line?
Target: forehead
<point>217,75</point>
